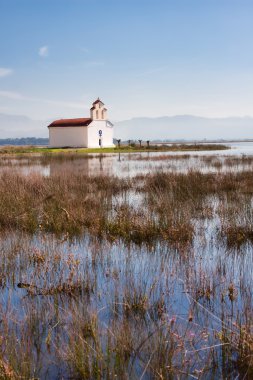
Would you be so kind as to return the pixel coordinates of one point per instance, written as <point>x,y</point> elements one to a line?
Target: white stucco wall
<point>93,134</point>
<point>68,136</point>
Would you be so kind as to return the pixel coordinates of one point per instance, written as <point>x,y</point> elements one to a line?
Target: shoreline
<point>123,149</point>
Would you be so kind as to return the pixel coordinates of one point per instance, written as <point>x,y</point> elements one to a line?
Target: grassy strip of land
<point>118,149</point>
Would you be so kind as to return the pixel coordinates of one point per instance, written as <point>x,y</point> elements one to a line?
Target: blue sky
<point>142,57</point>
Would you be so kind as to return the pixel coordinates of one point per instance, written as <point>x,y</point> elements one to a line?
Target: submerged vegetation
<point>146,276</point>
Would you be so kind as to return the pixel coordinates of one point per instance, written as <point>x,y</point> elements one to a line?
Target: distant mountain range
<point>184,127</point>
<point>16,126</point>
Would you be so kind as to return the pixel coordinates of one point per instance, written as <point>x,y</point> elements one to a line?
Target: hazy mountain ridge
<point>186,127</point>
<point>18,126</point>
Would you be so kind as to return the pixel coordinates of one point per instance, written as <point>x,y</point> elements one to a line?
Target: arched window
<point>96,114</point>
<point>103,114</point>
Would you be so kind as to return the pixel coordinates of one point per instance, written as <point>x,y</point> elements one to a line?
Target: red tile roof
<point>82,122</point>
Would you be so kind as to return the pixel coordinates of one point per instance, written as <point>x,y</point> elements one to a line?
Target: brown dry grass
<point>111,310</point>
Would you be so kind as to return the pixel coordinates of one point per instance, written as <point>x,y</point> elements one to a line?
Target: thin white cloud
<point>152,71</point>
<point>44,51</point>
<point>17,96</point>
<point>4,72</point>
<point>11,95</point>
<point>63,104</point>
<point>94,63</point>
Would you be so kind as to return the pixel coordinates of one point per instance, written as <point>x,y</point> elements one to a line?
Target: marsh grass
<point>105,315</point>
<point>160,157</point>
<point>76,204</point>
<point>146,277</point>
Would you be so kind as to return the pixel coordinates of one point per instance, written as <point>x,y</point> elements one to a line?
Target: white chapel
<point>93,132</point>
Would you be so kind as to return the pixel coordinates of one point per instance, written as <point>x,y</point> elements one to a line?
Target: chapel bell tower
<point>98,110</point>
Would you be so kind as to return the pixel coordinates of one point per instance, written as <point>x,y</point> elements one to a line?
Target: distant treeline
<point>25,141</point>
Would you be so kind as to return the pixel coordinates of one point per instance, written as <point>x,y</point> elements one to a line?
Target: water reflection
<point>108,289</point>
<point>94,166</point>
<point>131,164</point>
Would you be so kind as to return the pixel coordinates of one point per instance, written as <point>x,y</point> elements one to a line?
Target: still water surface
<point>114,271</point>
<point>132,164</point>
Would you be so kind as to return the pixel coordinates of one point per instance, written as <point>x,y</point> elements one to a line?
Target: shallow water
<point>132,164</point>
<point>174,281</point>
<point>113,272</point>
